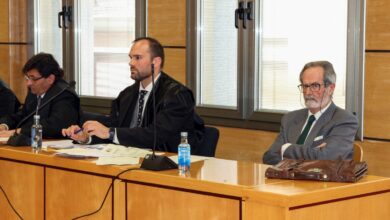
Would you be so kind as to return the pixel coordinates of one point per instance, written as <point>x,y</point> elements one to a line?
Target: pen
<point>78,131</point>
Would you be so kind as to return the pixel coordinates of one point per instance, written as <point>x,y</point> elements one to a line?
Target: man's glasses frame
<point>29,78</point>
<point>314,87</point>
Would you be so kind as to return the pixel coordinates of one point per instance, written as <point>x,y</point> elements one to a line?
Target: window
<point>106,29</point>
<point>218,73</point>
<point>94,41</point>
<point>48,36</point>
<point>250,73</point>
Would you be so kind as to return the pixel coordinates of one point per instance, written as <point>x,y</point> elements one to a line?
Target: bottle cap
<point>183,133</point>
<point>36,116</point>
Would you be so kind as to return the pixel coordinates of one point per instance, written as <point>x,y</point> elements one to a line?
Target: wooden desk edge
<point>369,185</point>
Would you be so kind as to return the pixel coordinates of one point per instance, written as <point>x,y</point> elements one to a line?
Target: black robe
<point>9,104</point>
<point>60,112</point>
<point>175,112</point>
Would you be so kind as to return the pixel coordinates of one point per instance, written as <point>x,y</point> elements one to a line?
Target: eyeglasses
<point>314,87</point>
<point>29,78</point>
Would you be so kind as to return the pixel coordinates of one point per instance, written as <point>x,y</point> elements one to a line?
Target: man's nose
<point>131,63</point>
<point>307,91</point>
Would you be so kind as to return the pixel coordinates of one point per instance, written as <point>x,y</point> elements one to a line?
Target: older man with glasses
<point>321,131</point>
<point>49,96</point>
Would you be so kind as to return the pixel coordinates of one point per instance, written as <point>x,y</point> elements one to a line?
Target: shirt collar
<point>150,86</point>
<point>319,113</point>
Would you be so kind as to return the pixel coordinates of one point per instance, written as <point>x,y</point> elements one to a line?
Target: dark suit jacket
<point>9,104</point>
<point>336,127</point>
<point>174,113</point>
<point>61,112</point>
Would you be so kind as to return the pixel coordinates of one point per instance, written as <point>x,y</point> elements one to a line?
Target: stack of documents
<point>106,153</point>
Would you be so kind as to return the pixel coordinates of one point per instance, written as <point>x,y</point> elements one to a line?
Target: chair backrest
<point>357,152</point>
<point>210,142</point>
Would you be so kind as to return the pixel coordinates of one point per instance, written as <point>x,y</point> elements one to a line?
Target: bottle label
<point>184,156</point>
<point>33,143</point>
<point>36,138</point>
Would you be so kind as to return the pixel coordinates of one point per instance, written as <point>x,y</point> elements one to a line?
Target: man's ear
<point>157,62</point>
<point>331,87</point>
<point>51,79</point>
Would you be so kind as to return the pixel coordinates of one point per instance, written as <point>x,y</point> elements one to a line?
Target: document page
<point>106,153</point>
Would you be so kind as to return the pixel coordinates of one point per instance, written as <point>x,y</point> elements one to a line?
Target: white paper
<point>86,152</point>
<point>194,158</point>
<point>61,144</point>
<point>4,139</point>
<point>117,161</point>
<point>106,153</point>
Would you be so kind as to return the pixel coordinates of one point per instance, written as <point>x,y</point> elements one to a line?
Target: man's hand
<point>321,146</point>
<point>3,127</point>
<point>6,133</point>
<point>76,133</point>
<point>97,129</point>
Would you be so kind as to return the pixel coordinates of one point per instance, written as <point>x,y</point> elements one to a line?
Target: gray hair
<point>329,73</point>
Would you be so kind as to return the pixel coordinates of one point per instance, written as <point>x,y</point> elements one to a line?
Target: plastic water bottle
<point>184,155</point>
<point>36,134</point>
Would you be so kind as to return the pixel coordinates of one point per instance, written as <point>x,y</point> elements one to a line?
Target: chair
<point>209,144</point>
<point>357,152</point>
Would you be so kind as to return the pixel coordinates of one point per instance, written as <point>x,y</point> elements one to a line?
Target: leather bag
<point>321,170</point>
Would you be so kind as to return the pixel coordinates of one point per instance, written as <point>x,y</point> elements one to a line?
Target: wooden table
<point>42,185</point>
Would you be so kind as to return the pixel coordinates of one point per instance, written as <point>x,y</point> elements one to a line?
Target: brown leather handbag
<point>321,170</point>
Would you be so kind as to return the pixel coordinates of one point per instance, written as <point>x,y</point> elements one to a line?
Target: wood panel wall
<point>377,95</point>
<point>14,44</point>
<point>377,72</point>
<point>377,25</point>
<point>167,23</point>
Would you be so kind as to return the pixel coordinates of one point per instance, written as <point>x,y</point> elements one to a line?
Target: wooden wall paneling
<point>4,29</point>
<point>347,209</point>
<point>376,97</point>
<point>175,63</point>
<point>23,184</point>
<point>167,21</point>
<point>350,209</point>
<point>18,20</point>
<point>17,58</point>
<point>243,144</point>
<point>70,194</point>
<point>144,202</point>
<point>119,199</point>
<point>377,156</point>
<point>377,25</point>
<point>4,66</point>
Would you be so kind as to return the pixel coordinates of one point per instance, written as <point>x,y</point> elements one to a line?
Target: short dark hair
<point>156,49</point>
<point>45,64</point>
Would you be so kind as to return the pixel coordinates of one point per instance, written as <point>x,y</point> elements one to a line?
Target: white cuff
<point>284,148</point>
<point>5,126</point>
<point>116,141</point>
<point>87,142</point>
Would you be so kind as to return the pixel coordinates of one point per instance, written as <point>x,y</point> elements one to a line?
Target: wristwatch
<point>111,134</point>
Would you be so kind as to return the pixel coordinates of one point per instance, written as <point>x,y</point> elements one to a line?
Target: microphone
<point>19,139</point>
<point>153,161</point>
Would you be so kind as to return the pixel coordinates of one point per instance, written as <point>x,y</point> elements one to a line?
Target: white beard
<point>311,103</point>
